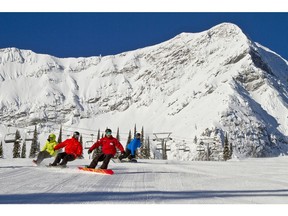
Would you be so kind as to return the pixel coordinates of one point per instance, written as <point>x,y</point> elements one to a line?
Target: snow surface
<point>249,181</point>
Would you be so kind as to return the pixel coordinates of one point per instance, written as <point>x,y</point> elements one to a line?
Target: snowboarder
<point>109,145</point>
<point>131,149</point>
<point>73,149</point>
<point>48,150</point>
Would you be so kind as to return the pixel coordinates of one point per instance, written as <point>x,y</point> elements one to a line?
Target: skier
<point>48,150</point>
<point>109,145</point>
<point>73,149</point>
<point>131,149</point>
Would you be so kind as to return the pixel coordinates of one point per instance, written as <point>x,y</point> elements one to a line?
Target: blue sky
<point>84,34</point>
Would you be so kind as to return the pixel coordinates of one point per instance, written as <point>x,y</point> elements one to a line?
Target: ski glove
<point>89,151</point>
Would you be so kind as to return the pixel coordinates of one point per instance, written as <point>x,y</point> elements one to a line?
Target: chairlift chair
<point>200,148</point>
<point>182,147</point>
<point>159,146</point>
<point>187,149</point>
<point>168,147</point>
<point>89,143</point>
<point>29,137</point>
<point>9,138</point>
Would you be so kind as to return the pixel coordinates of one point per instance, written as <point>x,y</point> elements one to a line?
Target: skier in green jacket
<point>48,150</point>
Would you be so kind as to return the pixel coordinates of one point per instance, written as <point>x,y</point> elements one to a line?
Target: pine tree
<point>1,150</point>
<point>129,138</point>
<point>81,141</point>
<point>34,144</point>
<point>118,135</point>
<point>16,149</point>
<point>98,135</point>
<point>145,149</point>
<point>226,152</point>
<point>135,130</point>
<point>142,136</point>
<point>23,152</point>
<point>195,140</point>
<point>97,150</point>
<point>60,135</point>
<point>231,151</point>
<point>148,155</point>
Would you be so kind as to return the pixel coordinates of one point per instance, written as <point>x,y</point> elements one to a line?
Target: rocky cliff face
<point>195,85</point>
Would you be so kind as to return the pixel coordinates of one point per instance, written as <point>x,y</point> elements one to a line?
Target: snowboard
<point>58,166</point>
<point>97,171</point>
<point>116,160</point>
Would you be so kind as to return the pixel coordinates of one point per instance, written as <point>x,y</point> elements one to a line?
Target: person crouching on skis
<point>109,145</point>
<point>48,150</point>
<point>73,149</point>
<point>131,148</point>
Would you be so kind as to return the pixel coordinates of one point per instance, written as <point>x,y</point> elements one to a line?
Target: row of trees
<point>144,151</point>
<point>19,152</point>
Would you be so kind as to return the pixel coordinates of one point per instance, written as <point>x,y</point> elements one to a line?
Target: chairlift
<point>29,137</point>
<point>159,146</point>
<point>187,149</point>
<point>200,148</point>
<point>168,147</point>
<point>9,138</point>
<point>89,143</point>
<point>182,147</point>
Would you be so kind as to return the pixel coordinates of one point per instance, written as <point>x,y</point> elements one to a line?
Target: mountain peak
<point>194,85</point>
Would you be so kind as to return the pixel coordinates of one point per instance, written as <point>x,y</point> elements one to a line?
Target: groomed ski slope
<point>248,181</point>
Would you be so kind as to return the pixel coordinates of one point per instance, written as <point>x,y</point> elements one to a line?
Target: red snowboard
<point>98,171</point>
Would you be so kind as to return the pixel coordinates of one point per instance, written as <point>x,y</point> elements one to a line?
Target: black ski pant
<point>101,157</point>
<point>65,158</point>
<point>127,154</point>
<point>41,156</point>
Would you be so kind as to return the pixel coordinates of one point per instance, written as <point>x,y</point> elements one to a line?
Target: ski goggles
<point>108,133</point>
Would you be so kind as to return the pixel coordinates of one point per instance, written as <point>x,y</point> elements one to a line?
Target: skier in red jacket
<point>109,145</point>
<point>73,149</point>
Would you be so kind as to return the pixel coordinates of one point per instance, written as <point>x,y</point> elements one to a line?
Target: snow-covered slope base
<point>196,86</point>
<point>249,181</point>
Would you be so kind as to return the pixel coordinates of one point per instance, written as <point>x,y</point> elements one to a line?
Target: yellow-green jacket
<point>50,144</point>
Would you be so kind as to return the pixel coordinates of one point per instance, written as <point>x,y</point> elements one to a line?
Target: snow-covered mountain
<point>196,86</point>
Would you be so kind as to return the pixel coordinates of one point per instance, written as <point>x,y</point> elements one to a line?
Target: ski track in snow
<point>149,181</point>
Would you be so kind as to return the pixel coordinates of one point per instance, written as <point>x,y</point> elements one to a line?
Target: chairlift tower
<point>162,138</point>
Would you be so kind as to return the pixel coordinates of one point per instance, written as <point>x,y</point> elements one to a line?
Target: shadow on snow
<point>134,197</point>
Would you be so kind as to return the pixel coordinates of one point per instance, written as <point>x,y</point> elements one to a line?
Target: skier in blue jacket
<point>131,148</point>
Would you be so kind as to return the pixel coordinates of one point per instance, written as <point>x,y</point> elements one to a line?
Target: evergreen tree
<point>148,155</point>
<point>226,151</point>
<point>135,130</point>
<point>60,135</point>
<point>98,135</point>
<point>34,144</point>
<point>16,148</point>
<point>129,138</point>
<point>1,150</point>
<point>81,141</point>
<point>38,147</point>
<point>231,151</point>
<point>23,152</point>
<point>142,136</point>
<point>195,140</point>
<point>118,135</point>
<point>97,150</point>
<point>145,148</point>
